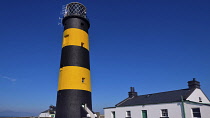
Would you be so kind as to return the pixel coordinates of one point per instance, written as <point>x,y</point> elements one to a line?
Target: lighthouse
<point>74,84</point>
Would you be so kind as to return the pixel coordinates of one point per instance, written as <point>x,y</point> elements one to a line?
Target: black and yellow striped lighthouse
<point>74,85</point>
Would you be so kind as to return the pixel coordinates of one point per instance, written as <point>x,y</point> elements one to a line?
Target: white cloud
<point>8,78</point>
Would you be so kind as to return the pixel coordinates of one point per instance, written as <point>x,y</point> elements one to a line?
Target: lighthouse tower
<point>74,85</point>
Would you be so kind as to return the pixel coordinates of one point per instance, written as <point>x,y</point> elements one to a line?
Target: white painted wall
<point>204,109</point>
<point>195,96</point>
<point>153,111</point>
<point>44,115</point>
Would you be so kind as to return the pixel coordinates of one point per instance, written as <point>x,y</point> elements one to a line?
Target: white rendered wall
<point>153,111</point>
<point>204,110</point>
<point>44,115</point>
<point>195,96</point>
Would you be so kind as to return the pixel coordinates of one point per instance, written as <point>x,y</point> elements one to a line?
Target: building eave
<point>109,107</point>
<point>188,101</point>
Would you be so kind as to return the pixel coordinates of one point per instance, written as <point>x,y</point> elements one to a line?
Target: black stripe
<point>76,22</point>
<point>75,56</point>
<point>69,103</point>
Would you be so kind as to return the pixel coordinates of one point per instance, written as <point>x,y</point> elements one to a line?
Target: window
<point>83,80</point>
<point>200,99</point>
<point>66,39</point>
<point>82,44</point>
<point>144,113</point>
<point>128,114</point>
<point>196,112</point>
<point>66,36</point>
<point>164,112</point>
<point>113,114</point>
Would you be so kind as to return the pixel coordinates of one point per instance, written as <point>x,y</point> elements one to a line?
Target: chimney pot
<point>132,89</point>
<point>132,92</point>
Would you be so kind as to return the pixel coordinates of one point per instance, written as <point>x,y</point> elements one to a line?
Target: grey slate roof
<point>46,111</point>
<point>155,98</point>
<point>51,110</point>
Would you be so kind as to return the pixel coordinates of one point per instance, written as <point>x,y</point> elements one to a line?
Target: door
<point>144,113</point>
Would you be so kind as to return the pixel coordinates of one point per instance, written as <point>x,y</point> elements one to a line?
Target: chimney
<point>193,84</point>
<point>132,93</point>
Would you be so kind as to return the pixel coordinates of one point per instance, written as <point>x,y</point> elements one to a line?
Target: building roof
<point>155,98</point>
<point>46,111</point>
<point>51,110</point>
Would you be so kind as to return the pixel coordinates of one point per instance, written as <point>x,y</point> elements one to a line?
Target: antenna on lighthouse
<point>63,11</point>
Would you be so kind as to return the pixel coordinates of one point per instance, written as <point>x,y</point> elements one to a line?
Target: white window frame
<point>196,112</point>
<point>113,115</point>
<point>164,112</point>
<point>128,113</point>
<point>144,111</point>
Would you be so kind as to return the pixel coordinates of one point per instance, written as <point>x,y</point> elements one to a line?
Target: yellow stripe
<point>74,77</point>
<point>74,36</point>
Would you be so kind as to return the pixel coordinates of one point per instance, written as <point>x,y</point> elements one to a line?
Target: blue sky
<point>152,45</point>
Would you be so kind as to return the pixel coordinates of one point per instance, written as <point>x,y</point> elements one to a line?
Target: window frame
<point>128,114</point>
<point>113,114</point>
<point>164,112</point>
<point>142,112</point>
<point>196,112</point>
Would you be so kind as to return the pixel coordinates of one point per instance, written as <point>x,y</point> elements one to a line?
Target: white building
<point>183,103</point>
<point>48,113</point>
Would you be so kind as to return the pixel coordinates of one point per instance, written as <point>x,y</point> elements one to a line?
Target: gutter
<point>198,103</point>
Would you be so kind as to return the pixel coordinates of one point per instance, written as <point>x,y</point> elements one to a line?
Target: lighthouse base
<point>69,103</point>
